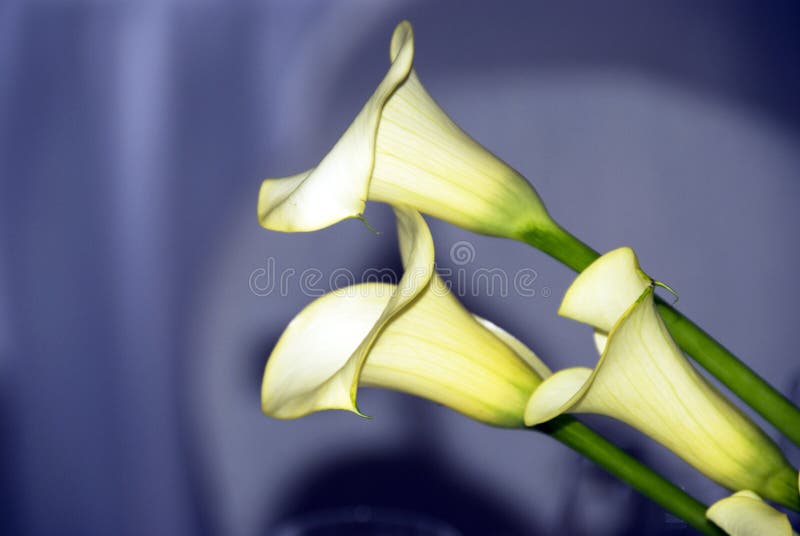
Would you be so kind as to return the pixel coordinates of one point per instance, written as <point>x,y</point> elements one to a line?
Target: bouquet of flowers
<point>416,337</point>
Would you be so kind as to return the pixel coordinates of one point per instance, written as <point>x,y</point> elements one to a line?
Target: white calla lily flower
<point>643,379</point>
<point>745,514</point>
<point>413,337</point>
<point>402,149</point>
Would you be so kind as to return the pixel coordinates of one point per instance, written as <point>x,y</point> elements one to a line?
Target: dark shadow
<point>589,483</point>
<point>10,483</point>
<point>413,477</point>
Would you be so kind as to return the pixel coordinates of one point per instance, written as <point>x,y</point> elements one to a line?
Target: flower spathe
<point>413,337</point>
<point>745,514</point>
<point>402,149</point>
<point>643,379</point>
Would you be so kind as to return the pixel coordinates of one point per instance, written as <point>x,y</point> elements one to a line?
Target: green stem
<point>562,246</point>
<point>711,355</point>
<point>619,463</point>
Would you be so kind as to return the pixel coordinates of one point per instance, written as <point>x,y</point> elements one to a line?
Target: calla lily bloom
<point>643,379</point>
<point>402,149</point>
<point>745,514</point>
<point>413,337</point>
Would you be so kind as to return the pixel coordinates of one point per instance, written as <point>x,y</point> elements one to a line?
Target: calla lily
<point>643,379</point>
<point>413,337</point>
<point>745,514</point>
<point>402,149</point>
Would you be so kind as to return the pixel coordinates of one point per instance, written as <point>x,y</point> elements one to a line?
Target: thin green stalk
<point>619,463</point>
<point>707,352</point>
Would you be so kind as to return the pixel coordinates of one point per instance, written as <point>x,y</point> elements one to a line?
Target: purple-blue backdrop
<point>135,319</point>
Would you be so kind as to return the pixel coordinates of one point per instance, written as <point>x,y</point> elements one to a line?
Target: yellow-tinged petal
<point>315,365</point>
<point>518,346</point>
<point>745,514</point>
<point>437,350</point>
<point>403,149</point>
<point>337,188</point>
<point>643,379</point>
<point>414,337</point>
<point>558,394</point>
<point>602,292</point>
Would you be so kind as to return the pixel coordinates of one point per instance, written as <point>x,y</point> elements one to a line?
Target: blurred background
<point>135,320</point>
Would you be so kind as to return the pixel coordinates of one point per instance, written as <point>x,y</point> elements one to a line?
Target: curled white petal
<point>557,395</point>
<point>745,514</point>
<point>316,364</point>
<point>414,337</point>
<point>403,149</point>
<point>602,292</point>
<point>643,379</point>
<point>337,188</point>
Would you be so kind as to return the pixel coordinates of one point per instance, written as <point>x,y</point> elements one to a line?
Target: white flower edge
<point>332,335</point>
<point>642,378</point>
<point>605,290</point>
<point>745,514</point>
<point>337,187</point>
<point>403,149</point>
<point>414,337</point>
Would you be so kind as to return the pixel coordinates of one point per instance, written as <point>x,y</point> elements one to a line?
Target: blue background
<point>133,139</point>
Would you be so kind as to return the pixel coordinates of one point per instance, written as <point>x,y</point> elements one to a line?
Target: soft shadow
<point>413,477</point>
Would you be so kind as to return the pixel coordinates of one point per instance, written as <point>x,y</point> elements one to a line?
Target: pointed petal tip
<point>316,363</point>
<point>402,36</point>
<point>292,415</point>
<point>318,360</point>
<point>337,188</point>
